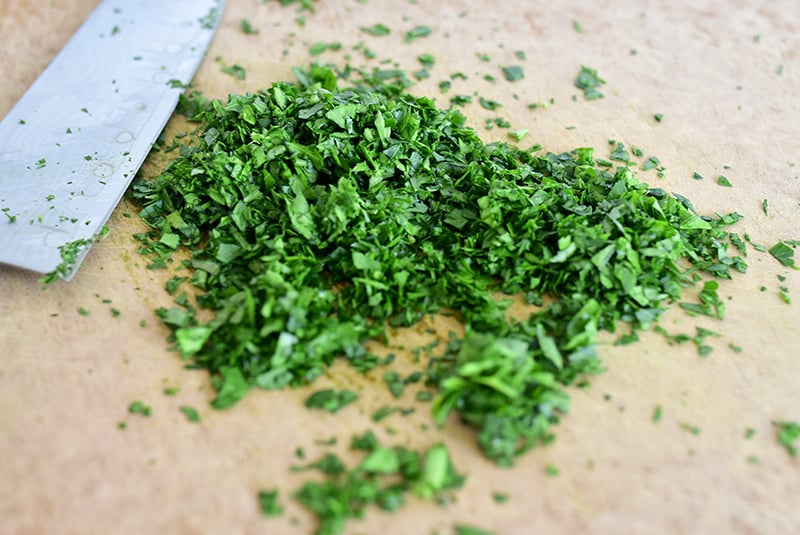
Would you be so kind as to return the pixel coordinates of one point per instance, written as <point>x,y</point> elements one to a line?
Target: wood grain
<point>726,77</point>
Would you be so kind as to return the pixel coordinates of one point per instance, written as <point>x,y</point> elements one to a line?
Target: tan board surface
<point>725,76</point>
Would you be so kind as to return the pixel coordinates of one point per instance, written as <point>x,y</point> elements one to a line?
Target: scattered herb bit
<point>518,135</point>
<point>765,206</point>
<point>383,478</point>
<point>552,470</point>
<point>115,312</point>
<point>465,529</point>
<point>783,253</point>
<point>137,407</point>
<point>620,154</point>
<point>722,180</point>
<point>520,54</point>
<point>82,311</point>
<point>248,28</point>
<point>269,504</point>
<point>513,73</point>
<point>500,497</point>
<point>416,33</point>
<point>697,176</point>
<point>377,30</point>
<point>122,425</point>
<point>191,413</point>
<point>657,412</point>
<point>650,163</point>
<point>788,434</point>
<point>318,48</point>
<point>711,305</point>
<point>427,60</point>
<point>752,459</point>
<point>658,117</point>
<point>691,428</point>
<point>330,400</point>
<point>749,433</point>
<point>170,391</point>
<point>588,81</point>
<point>784,294</point>
<point>577,26</point>
<point>237,71</point>
<point>490,105</point>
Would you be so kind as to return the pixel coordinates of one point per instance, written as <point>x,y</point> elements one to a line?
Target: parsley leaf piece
<point>268,502</point>
<point>330,400</point>
<point>191,413</point>
<point>722,180</point>
<point>513,73</point>
<point>783,253</point>
<point>137,407</point>
<point>416,33</point>
<point>788,434</point>
<point>376,30</point>
<point>588,81</point>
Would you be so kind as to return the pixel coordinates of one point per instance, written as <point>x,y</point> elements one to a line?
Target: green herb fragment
<point>416,33</point>
<point>650,163</point>
<point>169,391</point>
<point>377,30</point>
<point>426,60</point>
<point>711,304</point>
<point>513,73</point>
<point>269,504</point>
<point>691,428</point>
<point>620,154</point>
<point>137,407</point>
<point>237,71</point>
<point>765,206</point>
<point>518,135</point>
<point>783,253</point>
<point>749,433</point>
<point>248,28</point>
<point>658,117</point>
<point>657,412</point>
<point>191,413</point>
<point>697,176</point>
<point>318,48</point>
<point>460,100</point>
<point>69,257</point>
<point>520,54</point>
<point>330,400</point>
<point>588,81</point>
<point>122,425</point>
<point>788,434</point>
<point>552,470</point>
<point>82,311</point>
<point>784,294</point>
<point>383,478</point>
<point>500,497</point>
<point>577,26</point>
<point>464,529</point>
<point>752,459</point>
<point>722,180</point>
<point>490,105</point>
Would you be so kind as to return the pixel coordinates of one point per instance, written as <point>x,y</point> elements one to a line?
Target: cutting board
<point>724,76</point>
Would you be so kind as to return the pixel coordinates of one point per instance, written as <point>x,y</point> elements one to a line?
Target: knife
<point>72,144</point>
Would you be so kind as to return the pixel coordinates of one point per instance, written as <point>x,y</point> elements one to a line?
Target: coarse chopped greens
<point>318,215</point>
<point>383,478</point>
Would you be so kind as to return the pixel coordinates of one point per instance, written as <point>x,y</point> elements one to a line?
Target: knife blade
<point>71,145</point>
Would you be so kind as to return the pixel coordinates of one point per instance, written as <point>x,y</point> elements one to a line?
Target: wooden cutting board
<point>725,75</point>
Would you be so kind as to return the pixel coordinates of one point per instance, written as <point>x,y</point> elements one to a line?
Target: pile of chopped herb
<point>317,216</point>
